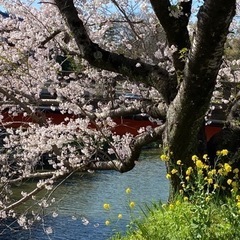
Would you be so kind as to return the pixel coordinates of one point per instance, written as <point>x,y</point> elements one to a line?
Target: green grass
<point>183,220</point>
<point>207,207</point>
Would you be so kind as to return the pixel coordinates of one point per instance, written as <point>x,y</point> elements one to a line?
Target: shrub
<point>200,210</point>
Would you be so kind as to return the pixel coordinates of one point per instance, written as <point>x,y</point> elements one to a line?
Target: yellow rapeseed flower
<point>107,222</point>
<point>171,206</point>
<point>229,181</point>
<point>128,190</point>
<point>236,170</point>
<point>132,204</point>
<point>179,162</point>
<point>189,171</point>
<point>238,204</point>
<point>199,164</point>
<point>215,186</point>
<point>224,152</point>
<point>183,185</point>
<point>187,178</point>
<point>220,171</point>
<point>218,153</point>
<point>205,157</point>
<point>181,191</point>
<point>106,206</point>
<point>185,199</point>
<point>194,158</point>
<point>178,203</point>
<point>212,172</point>
<point>227,167</point>
<point>208,198</point>
<point>164,157</point>
<point>210,181</point>
<point>119,216</point>
<point>168,176</point>
<point>174,171</point>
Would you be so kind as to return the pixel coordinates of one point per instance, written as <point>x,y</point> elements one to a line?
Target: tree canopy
<point>86,56</point>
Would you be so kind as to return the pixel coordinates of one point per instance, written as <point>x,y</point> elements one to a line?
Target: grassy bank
<point>182,220</point>
<point>207,206</point>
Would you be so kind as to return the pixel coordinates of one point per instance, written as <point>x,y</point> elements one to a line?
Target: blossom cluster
<point>208,180</point>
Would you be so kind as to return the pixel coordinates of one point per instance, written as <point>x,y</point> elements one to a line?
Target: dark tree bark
<point>186,113</point>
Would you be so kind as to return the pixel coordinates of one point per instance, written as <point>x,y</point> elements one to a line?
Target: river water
<point>80,199</point>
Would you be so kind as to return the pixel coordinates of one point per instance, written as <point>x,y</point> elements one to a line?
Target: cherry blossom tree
<point>86,55</point>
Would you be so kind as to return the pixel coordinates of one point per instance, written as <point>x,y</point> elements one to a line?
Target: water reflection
<point>80,212</point>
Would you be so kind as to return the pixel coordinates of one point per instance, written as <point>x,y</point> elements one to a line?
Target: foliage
<point>178,221</point>
<point>207,213</point>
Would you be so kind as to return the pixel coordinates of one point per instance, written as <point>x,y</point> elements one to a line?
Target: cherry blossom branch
<point>40,186</point>
<point>24,106</point>
<point>32,176</point>
<point>135,69</point>
<point>126,17</point>
<point>49,38</point>
<point>175,25</point>
<point>116,21</point>
<point>129,163</point>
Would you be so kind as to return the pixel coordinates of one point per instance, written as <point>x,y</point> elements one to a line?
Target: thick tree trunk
<point>186,113</point>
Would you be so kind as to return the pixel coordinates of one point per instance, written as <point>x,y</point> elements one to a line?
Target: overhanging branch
<point>124,165</point>
<point>135,69</point>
